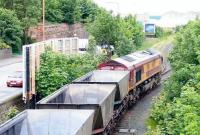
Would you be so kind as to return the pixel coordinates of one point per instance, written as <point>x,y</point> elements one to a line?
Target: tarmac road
<point>8,92</point>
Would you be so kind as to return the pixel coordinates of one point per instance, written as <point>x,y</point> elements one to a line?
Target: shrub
<point>3,45</point>
<point>57,70</point>
<point>11,30</point>
<point>13,111</point>
<point>181,95</point>
<point>159,32</point>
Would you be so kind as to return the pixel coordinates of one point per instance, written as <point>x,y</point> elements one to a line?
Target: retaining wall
<point>5,53</point>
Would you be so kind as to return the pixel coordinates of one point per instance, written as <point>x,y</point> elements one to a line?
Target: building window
<point>138,75</point>
<point>60,45</point>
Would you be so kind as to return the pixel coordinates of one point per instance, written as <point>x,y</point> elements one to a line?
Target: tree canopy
<point>125,34</point>
<point>181,96</point>
<point>10,28</point>
<point>57,70</point>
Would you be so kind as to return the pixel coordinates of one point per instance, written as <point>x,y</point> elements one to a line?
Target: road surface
<point>7,93</point>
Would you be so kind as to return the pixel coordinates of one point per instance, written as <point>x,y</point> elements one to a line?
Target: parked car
<point>15,79</point>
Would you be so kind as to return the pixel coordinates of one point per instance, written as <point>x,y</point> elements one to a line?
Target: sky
<point>154,7</point>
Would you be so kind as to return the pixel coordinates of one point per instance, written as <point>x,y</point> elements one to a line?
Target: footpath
<point>12,60</point>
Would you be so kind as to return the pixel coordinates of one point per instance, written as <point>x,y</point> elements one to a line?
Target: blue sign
<point>150,28</point>
<point>155,17</point>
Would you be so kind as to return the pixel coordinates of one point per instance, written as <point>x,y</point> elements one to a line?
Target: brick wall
<point>58,31</point>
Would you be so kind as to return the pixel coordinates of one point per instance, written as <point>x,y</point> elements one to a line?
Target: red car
<point>15,80</point>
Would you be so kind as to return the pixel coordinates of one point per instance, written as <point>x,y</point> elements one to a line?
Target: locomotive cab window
<point>138,75</point>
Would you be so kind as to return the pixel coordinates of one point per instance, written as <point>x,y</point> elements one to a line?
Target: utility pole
<point>43,17</point>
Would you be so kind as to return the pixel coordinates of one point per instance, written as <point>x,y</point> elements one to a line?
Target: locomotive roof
<point>138,58</point>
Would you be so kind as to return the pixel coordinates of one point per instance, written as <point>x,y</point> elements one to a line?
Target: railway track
<point>126,124</point>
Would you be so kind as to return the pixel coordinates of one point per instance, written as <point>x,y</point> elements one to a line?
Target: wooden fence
<point>31,59</point>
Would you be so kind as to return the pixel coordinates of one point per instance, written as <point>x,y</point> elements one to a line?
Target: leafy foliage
<point>163,32</point>
<point>28,12</point>
<point>92,45</point>
<point>136,30</point>
<point>123,33</point>
<point>71,11</point>
<point>10,28</point>
<point>124,46</point>
<point>159,32</point>
<point>88,10</point>
<point>181,98</point>
<point>53,11</point>
<point>13,111</point>
<point>3,45</point>
<point>104,28</point>
<point>57,70</point>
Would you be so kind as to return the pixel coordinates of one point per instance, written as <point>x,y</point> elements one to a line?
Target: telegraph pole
<point>43,17</point>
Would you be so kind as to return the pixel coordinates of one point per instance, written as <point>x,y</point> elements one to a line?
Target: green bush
<point>124,46</point>
<point>163,32</point>
<point>13,111</point>
<point>10,29</point>
<point>70,11</point>
<point>159,32</point>
<point>3,45</point>
<point>57,70</point>
<point>125,34</point>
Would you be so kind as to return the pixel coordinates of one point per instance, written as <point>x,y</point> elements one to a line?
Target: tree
<point>124,33</point>
<point>104,29</point>
<point>159,32</point>
<point>8,4</point>
<point>58,69</point>
<point>124,46</point>
<point>92,45</point>
<point>136,30</point>
<point>29,12</point>
<point>181,95</point>
<point>53,11</point>
<point>10,29</point>
<point>3,45</point>
<point>88,10</point>
<point>71,11</point>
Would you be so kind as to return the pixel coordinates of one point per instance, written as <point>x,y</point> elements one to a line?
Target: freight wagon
<point>98,97</point>
<point>50,122</point>
<point>108,91</point>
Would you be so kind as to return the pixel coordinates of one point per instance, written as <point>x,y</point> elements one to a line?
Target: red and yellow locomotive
<point>144,68</point>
